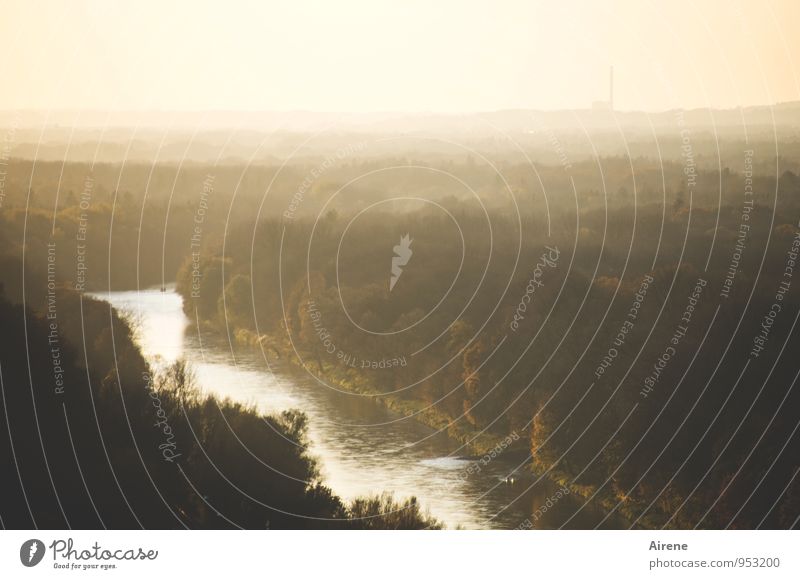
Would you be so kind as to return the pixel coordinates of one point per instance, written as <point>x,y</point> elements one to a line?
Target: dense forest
<point>628,321</point>
<point>627,345</point>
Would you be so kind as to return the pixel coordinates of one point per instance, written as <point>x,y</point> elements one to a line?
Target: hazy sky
<point>444,56</point>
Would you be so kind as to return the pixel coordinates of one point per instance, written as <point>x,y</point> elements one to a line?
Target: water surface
<point>362,447</point>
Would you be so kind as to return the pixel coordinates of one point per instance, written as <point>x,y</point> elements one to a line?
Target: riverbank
<point>479,444</point>
<point>476,444</point>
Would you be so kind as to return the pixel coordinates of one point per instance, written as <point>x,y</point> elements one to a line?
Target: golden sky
<point>410,55</point>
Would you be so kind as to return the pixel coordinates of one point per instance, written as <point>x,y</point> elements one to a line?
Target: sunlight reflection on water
<point>357,456</point>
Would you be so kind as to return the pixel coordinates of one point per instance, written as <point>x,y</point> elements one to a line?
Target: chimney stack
<point>611,88</point>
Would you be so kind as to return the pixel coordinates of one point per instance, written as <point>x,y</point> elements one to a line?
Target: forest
<point>627,321</point>
<point>110,443</point>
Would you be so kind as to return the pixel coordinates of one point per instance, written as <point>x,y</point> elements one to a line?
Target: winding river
<point>362,447</point>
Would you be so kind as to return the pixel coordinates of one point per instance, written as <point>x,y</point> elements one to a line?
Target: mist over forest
<point>608,297</point>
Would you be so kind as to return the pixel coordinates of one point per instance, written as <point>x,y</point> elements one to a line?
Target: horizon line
<point>208,111</point>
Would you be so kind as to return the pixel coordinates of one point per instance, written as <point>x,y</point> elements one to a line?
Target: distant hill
<point>268,137</point>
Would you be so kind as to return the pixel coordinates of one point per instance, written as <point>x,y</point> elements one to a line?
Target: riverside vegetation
<point>614,385</point>
<point>669,406</point>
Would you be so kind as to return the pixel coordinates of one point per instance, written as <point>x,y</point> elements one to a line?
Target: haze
<point>389,56</point>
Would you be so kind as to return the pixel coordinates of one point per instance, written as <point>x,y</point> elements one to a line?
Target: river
<point>362,447</point>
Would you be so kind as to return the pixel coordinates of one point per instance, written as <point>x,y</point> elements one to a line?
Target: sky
<point>416,56</point>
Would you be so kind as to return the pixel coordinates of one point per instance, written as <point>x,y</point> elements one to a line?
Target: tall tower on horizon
<point>609,104</point>
<point>611,88</point>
